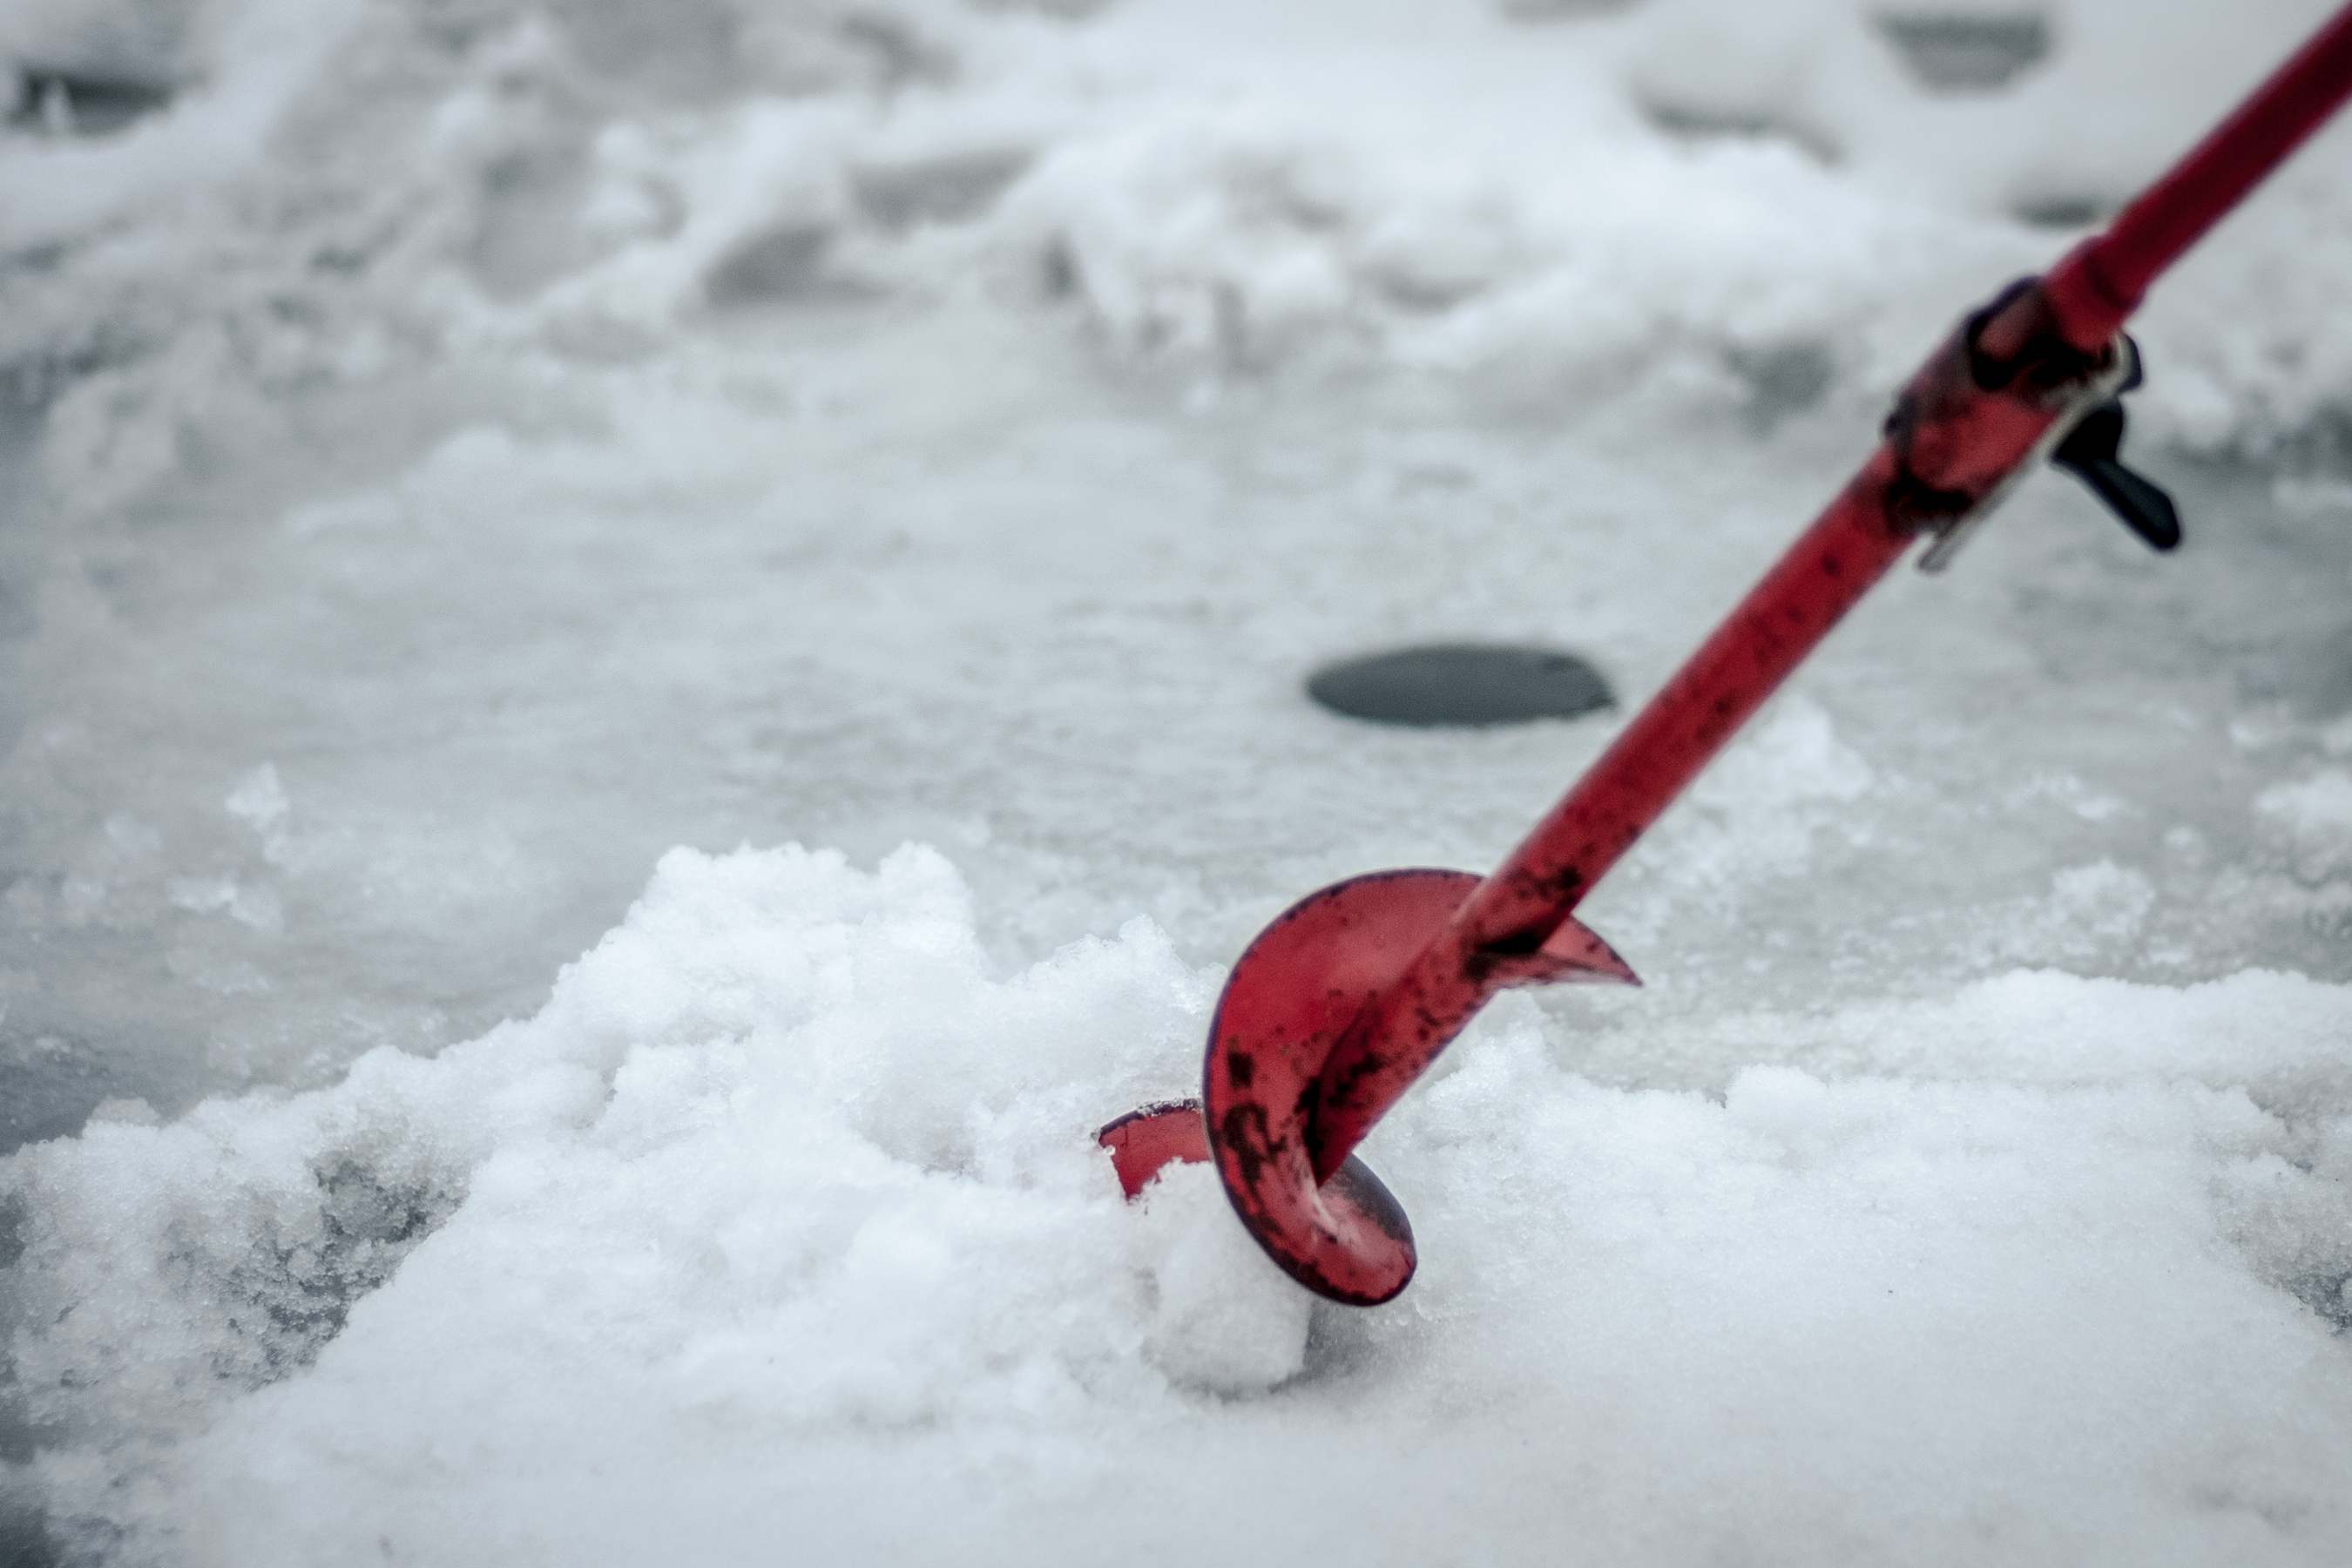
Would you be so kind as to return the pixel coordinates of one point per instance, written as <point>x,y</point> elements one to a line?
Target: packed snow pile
<point>452,454</point>
<point>778,1230</point>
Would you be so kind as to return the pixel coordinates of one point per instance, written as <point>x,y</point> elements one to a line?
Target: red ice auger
<point>1349,996</point>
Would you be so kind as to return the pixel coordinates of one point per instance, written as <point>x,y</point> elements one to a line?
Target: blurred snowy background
<point>452,452</point>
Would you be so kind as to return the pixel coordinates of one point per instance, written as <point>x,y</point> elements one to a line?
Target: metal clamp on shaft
<point>2006,391</point>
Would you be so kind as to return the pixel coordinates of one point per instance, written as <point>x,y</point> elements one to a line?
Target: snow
<point>911,453</point>
<point>772,1220</point>
<point>253,57</point>
<point>2314,816</point>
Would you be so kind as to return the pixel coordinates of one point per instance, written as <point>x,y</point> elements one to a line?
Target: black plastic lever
<point>2093,453</point>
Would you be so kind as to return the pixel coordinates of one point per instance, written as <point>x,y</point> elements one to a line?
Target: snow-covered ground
<point>454,453</point>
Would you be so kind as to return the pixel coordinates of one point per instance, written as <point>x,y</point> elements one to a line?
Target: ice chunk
<point>1225,1319</point>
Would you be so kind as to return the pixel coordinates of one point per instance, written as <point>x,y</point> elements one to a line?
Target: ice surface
<point>453,454</point>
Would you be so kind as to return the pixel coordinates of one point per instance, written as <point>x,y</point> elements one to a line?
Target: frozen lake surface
<point>828,512</point>
<point>297,780</point>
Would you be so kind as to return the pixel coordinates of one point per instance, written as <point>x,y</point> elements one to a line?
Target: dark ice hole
<point>1695,122</point>
<point>2061,210</point>
<point>82,104</point>
<point>1968,54</point>
<point>1461,686</point>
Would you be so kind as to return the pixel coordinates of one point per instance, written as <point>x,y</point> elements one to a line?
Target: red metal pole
<point>2103,281</point>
